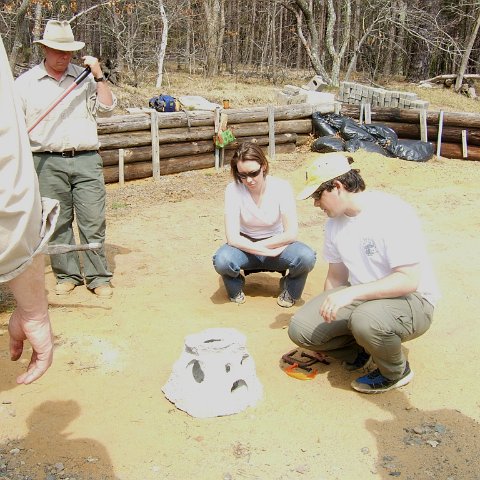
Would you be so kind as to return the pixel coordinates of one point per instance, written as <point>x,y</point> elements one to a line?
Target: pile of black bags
<point>338,133</point>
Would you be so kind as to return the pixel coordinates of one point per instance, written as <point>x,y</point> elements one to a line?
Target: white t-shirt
<point>386,234</point>
<point>265,220</point>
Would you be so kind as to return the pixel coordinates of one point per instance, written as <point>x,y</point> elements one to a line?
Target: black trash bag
<point>327,144</point>
<point>335,120</point>
<point>384,136</point>
<point>321,127</point>
<point>350,129</point>
<point>414,150</point>
<point>355,144</point>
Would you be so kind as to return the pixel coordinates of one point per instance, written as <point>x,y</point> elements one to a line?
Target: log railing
<point>185,139</point>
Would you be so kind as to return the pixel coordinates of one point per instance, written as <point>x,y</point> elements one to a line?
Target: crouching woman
<point>261,228</point>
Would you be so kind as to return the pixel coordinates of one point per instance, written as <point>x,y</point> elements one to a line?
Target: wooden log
<point>455,150</point>
<point>141,121</point>
<point>176,165</point>
<point>143,154</point>
<point>123,123</point>
<point>121,140</point>
<point>451,119</point>
<point>449,134</point>
<point>172,135</point>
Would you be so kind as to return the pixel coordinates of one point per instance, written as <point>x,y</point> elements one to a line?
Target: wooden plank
<point>423,125</point>
<point>121,165</point>
<point>155,145</point>
<point>439,136</point>
<point>271,133</point>
<point>464,144</point>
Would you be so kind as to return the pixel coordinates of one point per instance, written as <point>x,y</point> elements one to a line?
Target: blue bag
<point>162,103</point>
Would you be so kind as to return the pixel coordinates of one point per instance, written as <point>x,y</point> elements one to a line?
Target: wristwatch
<point>100,79</point>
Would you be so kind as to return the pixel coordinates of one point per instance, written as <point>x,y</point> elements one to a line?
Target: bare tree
<point>214,11</point>
<point>163,44</point>
<point>19,32</point>
<point>466,55</point>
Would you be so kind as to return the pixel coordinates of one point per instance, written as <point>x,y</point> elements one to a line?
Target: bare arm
<point>234,239</point>
<point>104,94</point>
<point>402,281</point>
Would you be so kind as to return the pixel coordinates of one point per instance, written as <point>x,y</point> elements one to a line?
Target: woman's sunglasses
<point>244,176</point>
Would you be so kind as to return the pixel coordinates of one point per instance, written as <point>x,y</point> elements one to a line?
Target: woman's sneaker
<point>285,300</point>
<point>240,298</point>
<point>375,382</point>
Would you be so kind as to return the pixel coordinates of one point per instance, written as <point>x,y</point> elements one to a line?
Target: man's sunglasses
<point>244,176</point>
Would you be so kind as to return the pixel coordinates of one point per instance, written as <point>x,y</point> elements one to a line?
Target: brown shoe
<point>103,291</point>
<point>64,288</point>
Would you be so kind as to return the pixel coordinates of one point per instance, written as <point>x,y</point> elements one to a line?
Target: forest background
<point>407,40</point>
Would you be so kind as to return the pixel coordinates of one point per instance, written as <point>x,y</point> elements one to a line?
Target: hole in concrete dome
<point>244,358</point>
<point>228,367</point>
<point>213,340</point>
<point>197,371</point>
<point>239,385</point>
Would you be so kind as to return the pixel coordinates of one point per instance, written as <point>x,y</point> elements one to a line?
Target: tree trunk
<point>215,25</point>
<point>163,44</point>
<point>20,26</point>
<point>466,54</point>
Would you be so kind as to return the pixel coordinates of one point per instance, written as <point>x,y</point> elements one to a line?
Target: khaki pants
<point>79,186</point>
<point>378,326</point>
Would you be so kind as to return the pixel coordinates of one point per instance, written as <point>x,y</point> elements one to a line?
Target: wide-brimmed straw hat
<point>58,35</point>
<point>323,167</point>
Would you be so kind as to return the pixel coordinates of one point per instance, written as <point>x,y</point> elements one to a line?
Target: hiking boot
<point>64,288</point>
<point>362,362</point>
<point>375,382</point>
<point>285,300</point>
<point>240,298</point>
<point>103,291</point>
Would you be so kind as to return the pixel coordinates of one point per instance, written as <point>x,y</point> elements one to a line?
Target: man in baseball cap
<point>379,290</point>
<point>324,167</point>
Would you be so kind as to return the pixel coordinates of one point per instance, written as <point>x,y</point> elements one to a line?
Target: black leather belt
<point>69,153</point>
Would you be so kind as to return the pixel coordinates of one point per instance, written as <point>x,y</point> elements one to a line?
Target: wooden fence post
<point>423,125</point>
<point>216,128</point>
<point>439,136</point>
<point>271,132</point>
<point>155,145</point>
<point>121,167</point>
<point>368,114</point>
<point>464,144</point>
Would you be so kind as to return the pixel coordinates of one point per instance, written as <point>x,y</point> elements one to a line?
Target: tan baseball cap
<point>323,167</point>
<point>58,35</point>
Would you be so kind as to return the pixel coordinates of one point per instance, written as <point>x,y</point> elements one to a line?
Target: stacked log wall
<point>186,138</point>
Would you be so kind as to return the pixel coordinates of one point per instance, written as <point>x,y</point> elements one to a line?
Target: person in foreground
<point>65,153</point>
<point>261,229</point>
<point>380,289</point>
<point>25,227</point>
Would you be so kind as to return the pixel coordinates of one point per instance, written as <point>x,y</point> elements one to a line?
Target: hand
<point>94,65</point>
<point>334,302</point>
<point>39,334</point>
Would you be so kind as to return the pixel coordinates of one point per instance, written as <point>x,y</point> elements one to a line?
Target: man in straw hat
<point>26,223</point>
<point>379,290</point>
<point>65,152</point>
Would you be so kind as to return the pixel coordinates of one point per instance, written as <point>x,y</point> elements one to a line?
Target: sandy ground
<point>99,413</point>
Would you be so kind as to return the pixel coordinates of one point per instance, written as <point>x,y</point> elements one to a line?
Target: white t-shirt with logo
<point>265,220</point>
<point>386,234</point>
